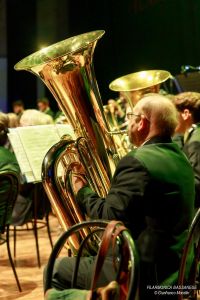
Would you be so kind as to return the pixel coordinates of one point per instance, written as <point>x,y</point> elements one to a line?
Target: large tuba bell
<point>67,70</point>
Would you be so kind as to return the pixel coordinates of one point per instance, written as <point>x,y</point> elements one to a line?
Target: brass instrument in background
<point>115,112</point>
<point>67,70</point>
<point>133,86</point>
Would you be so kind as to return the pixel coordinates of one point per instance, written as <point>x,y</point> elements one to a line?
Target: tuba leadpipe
<point>67,70</point>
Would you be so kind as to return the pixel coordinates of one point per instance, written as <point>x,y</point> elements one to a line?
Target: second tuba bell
<point>133,86</point>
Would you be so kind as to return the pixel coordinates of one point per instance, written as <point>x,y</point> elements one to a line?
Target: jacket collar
<point>158,139</point>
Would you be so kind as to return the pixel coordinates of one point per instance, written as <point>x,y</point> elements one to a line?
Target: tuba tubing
<point>63,206</point>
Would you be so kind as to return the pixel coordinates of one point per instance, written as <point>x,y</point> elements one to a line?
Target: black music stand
<point>188,82</point>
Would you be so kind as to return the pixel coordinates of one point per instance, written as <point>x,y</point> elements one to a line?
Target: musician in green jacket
<point>188,106</point>
<point>152,192</point>
<point>8,161</point>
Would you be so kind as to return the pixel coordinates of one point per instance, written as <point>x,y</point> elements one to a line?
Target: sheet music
<point>31,143</point>
<point>21,156</point>
<point>65,129</point>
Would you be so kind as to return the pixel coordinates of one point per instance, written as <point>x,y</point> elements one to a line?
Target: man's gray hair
<point>3,121</point>
<point>161,112</point>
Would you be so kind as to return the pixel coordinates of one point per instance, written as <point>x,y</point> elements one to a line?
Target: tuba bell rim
<point>64,47</point>
<point>139,80</point>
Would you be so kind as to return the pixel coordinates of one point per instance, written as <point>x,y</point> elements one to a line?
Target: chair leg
<point>35,215</point>
<point>14,240</point>
<point>10,258</point>
<point>36,241</point>
<point>48,230</point>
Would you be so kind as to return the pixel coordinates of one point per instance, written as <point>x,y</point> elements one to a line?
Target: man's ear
<point>143,124</point>
<point>186,114</point>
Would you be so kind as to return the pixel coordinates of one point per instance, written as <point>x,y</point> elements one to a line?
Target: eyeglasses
<point>130,114</point>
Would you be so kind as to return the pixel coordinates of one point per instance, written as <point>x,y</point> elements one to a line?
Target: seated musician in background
<point>43,106</point>
<point>148,194</point>
<point>8,161</point>
<point>18,108</point>
<point>188,106</point>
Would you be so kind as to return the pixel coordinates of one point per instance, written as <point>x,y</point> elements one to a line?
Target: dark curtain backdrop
<point>21,34</point>
<point>140,35</point>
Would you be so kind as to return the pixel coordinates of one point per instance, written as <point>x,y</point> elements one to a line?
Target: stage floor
<point>30,276</point>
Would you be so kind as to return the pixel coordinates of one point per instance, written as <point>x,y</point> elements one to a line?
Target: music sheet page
<point>31,144</point>
<point>63,129</point>
<point>21,156</point>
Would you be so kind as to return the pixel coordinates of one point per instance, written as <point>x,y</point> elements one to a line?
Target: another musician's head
<point>31,117</point>
<point>13,120</point>
<point>188,107</point>
<point>43,104</point>
<point>153,115</point>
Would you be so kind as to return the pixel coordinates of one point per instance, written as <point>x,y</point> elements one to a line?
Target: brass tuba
<point>67,70</point>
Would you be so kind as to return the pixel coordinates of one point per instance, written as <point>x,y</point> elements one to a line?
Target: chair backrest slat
<point>9,188</point>
<point>123,237</point>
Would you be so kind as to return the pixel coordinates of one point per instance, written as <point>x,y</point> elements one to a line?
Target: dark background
<point>140,35</point>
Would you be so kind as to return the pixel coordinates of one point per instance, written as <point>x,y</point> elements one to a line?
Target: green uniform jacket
<point>192,150</point>
<point>152,192</point>
<point>8,161</point>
